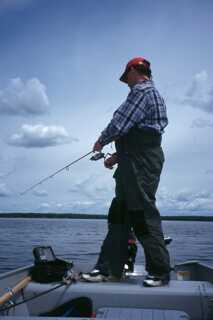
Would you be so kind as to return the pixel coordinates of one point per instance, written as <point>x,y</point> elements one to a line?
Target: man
<point>136,128</point>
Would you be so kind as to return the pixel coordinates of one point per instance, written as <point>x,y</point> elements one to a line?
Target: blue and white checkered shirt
<point>144,108</point>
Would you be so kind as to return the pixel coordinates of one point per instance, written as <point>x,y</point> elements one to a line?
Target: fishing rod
<point>97,156</point>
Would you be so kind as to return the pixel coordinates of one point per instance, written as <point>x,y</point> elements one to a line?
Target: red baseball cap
<point>134,62</point>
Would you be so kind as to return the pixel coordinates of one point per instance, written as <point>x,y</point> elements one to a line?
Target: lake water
<point>79,240</point>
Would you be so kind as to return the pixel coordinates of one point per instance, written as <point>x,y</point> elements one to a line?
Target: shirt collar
<point>144,84</point>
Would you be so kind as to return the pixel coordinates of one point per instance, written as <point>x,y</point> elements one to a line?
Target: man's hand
<point>97,146</point>
<point>111,161</point>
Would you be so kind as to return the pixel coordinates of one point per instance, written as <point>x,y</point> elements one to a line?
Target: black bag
<point>47,267</point>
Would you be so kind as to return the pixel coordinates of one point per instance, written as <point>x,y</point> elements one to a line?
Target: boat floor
<point>177,295</point>
<point>128,298</point>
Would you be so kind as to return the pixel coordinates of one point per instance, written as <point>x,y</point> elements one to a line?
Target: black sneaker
<point>156,280</point>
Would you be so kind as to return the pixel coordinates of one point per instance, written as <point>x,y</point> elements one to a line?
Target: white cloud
<point>21,98</point>
<point>200,204</point>
<point>4,191</point>
<point>87,206</point>
<point>200,93</point>
<point>44,206</point>
<point>202,123</point>
<point>39,136</point>
<point>185,200</point>
<point>40,193</point>
<point>94,188</point>
<point>183,196</point>
<point>83,203</point>
<point>59,205</point>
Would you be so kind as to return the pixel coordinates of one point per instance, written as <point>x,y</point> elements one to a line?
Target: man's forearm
<point>108,135</point>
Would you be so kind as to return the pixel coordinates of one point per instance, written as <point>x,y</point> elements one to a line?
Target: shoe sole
<point>94,279</point>
<point>152,284</point>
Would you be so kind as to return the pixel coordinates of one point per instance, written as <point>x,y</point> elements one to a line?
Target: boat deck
<point>177,295</point>
<point>189,295</point>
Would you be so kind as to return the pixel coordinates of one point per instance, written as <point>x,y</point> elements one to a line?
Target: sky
<point>60,65</point>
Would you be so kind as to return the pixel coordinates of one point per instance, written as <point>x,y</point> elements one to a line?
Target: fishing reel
<point>100,155</point>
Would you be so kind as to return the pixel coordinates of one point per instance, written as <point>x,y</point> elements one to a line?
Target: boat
<point>189,295</point>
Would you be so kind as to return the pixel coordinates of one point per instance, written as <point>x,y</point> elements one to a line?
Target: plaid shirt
<point>143,108</point>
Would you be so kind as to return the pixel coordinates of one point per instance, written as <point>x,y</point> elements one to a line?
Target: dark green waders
<point>137,179</point>
<point>114,251</point>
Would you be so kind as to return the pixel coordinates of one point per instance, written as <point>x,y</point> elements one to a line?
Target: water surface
<point>80,240</point>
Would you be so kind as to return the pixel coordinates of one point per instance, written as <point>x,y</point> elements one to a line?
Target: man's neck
<point>140,79</point>
<point>143,78</point>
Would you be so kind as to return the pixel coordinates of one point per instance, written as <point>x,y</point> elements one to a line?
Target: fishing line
<point>55,173</point>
